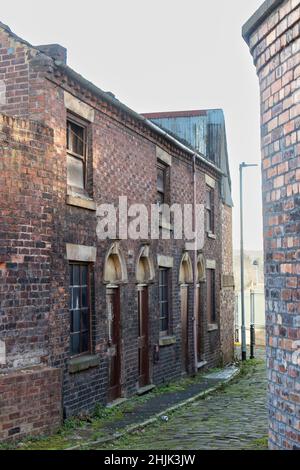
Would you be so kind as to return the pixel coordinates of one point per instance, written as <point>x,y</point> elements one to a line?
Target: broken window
<point>79,308</point>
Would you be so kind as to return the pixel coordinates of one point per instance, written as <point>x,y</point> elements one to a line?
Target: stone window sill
<point>80,201</point>
<point>211,235</point>
<point>167,340</point>
<point>212,327</point>
<point>78,364</point>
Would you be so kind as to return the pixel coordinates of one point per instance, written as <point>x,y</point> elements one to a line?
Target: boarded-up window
<point>76,150</point>
<point>79,308</point>
<point>211,296</point>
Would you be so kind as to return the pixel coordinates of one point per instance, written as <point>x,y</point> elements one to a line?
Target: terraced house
<point>85,320</point>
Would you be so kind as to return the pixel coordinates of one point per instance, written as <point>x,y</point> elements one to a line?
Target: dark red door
<point>143,344</point>
<point>115,347</point>
<point>198,321</point>
<point>184,327</point>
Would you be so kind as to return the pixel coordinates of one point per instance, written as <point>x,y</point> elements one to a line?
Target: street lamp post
<point>243,326</point>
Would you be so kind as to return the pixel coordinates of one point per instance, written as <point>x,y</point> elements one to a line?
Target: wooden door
<point>143,340</point>
<point>184,327</point>
<point>115,346</point>
<point>198,323</point>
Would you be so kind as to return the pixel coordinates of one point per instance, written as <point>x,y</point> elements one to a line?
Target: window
<point>79,309</point>
<point>211,295</point>
<point>210,216</point>
<point>76,150</point>
<point>164,300</point>
<point>161,183</point>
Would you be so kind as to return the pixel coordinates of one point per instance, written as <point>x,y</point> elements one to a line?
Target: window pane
<point>165,293</point>
<point>76,298</point>
<point>163,324</point>
<point>84,320</point>
<point>76,275</point>
<point>84,271</point>
<point>163,299</point>
<point>208,199</point>
<point>84,298</point>
<point>75,344</point>
<point>79,308</point>
<point>208,221</point>
<point>160,180</point>
<point>75,321</point>
<point>75,138</point>
<point>84,342</point>
<point>75,172</point>
<point>160,293</point>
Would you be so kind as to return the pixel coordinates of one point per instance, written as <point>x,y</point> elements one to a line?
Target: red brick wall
<point>30,402</point>
<point>26,234</point>
<point>123,162</point>
<point>275,46</point>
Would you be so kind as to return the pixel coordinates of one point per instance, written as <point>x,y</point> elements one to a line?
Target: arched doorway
<point>114,274</point>
<point>201,278</point>
<point>144,275</point>
<point>185,278</point>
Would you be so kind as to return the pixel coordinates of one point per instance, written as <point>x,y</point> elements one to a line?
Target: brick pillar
<point>273,36</point>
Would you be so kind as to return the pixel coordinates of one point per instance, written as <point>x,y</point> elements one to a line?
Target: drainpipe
<point>195,271</point>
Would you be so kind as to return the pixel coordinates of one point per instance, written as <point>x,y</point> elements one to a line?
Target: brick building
<point>273,36</point>
<point>85,320</point>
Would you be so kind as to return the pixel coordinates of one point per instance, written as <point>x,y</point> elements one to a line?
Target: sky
<point>164,55</point>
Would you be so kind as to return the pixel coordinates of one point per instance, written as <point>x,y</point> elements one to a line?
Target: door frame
<point>143,288</point>
<point>184,316</point>
<point>111,291</point>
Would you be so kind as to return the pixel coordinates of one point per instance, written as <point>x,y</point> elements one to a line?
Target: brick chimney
<point>56,51</point>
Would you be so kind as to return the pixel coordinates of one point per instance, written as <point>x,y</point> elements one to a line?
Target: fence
<point>254,314</point>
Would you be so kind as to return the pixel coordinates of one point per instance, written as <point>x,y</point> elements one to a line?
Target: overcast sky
<point>163,55</point>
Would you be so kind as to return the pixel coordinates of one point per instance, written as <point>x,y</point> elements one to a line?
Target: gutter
<point>138,117</point>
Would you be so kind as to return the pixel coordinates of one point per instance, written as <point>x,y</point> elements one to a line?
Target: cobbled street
<point>232,418</point>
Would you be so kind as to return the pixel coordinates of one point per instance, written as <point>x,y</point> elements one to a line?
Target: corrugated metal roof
<point>205,131</point>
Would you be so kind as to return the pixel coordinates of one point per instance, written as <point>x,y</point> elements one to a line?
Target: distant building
<point>272,34</point>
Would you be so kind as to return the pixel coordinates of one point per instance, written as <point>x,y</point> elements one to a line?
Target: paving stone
<point>233,418</point>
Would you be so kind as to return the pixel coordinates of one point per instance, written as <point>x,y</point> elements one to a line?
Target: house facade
<point>273,36</point>
<point>87,319</point>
